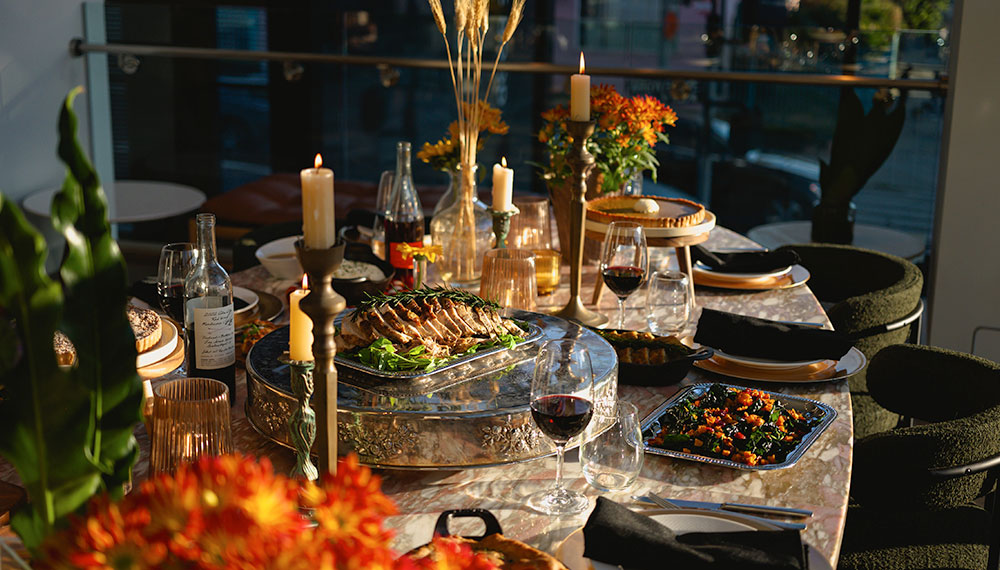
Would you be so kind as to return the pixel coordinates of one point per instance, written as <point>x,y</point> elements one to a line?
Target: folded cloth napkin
<point>749,336</point>
<point>616,535</point>
<point>745,261</point>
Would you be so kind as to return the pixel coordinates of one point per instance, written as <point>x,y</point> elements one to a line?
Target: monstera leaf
<point>95,283</point>
<point>44,414</point>
<point>67,433</point>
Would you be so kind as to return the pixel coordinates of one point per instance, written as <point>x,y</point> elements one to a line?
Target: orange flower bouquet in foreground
<point>235,512</point>
<point>623,140</point>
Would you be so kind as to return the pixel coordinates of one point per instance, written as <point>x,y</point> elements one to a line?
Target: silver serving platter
<point>651,426</point>
<point>494,356</point>
<point>475,415</point>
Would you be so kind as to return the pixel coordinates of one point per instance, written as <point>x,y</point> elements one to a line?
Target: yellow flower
<point>428,252</point>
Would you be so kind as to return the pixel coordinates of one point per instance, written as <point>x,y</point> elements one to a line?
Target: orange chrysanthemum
<point>233,512</point>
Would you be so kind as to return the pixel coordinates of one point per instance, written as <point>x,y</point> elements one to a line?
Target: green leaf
<point>44,414</point>
<point>95,283</point>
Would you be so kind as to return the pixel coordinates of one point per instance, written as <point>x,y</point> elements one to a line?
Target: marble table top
<point>818,482</point>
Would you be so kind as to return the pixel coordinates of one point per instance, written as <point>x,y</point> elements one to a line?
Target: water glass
<point>190,419</point>
<point>668,306</point>
<point>530,228</point>
<point>612,458</point>
<point>509,278</point>
<point>381,209</point>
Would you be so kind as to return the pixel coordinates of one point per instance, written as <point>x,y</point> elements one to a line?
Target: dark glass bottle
<point>208,314</point>
<point>405,219</point>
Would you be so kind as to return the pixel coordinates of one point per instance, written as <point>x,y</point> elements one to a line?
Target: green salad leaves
<point>383,355</point>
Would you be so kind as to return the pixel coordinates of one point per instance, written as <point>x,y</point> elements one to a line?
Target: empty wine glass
<point>381,208</point>
<point>562,401</point>
<point>176,260</point>
<point>624,262</point>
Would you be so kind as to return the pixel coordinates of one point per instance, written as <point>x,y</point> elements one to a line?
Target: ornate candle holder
<point>501,224</point>
<point>581,161</point>
<point>302,423</point>
<point>322,304</point>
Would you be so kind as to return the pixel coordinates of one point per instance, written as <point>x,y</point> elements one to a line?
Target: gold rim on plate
<point>823,371</point>
<point>794,278</point>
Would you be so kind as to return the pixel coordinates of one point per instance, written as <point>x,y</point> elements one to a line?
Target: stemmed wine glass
<point>381,208</point>
<point>625,262</point>
<point>562,401</point>
<point>176,260</point>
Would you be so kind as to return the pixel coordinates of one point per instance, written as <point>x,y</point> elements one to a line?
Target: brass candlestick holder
<point>501,224</point>
<point>581,161</point>
<point>322,304</point>
<point>302,422</point>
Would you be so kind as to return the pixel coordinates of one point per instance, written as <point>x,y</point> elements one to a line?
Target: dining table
<point>819,481</point>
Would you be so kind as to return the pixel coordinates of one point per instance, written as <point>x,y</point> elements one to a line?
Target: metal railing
<point>79,47</point>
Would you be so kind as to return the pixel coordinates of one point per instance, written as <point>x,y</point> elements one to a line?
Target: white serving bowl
<point>279,258</point>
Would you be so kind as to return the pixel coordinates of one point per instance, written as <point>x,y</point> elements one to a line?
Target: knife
<point>678,503</point>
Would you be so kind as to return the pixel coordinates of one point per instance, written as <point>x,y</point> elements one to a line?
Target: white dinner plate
<point>247,296</point>
<point>728,276</point>
<point>765,363</point>
<point>681,521</point>
<point>163,348</point>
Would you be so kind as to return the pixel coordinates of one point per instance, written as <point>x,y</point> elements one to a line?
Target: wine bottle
<point>404,222</point>
<point>208,314</point>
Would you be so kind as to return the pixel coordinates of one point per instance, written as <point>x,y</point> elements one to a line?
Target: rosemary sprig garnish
<point>454,295</point>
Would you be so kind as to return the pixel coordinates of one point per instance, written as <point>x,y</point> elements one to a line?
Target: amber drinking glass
<point>190,419</point>
<point>547,265</point>
<point>509,278</point>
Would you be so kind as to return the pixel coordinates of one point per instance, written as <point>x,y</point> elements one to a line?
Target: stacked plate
<point>783,278</point>
<point>767,370</point>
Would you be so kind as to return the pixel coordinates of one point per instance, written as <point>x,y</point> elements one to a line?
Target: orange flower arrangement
<point>444,154</point>
<point>235,512</point>
<point>623,140</point>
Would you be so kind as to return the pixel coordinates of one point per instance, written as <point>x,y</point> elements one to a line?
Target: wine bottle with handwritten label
<point>404,222</point>
<point>208,314</point>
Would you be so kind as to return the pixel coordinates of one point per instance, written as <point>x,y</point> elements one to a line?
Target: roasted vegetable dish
<point>634,347</point>
<point>249,334</point>
<point>746,426</point>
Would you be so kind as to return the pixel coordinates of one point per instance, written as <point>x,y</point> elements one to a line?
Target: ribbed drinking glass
<point>190,419</point>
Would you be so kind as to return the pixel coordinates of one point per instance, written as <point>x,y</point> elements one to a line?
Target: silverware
<point>664,503</point>
<point>741,508</point>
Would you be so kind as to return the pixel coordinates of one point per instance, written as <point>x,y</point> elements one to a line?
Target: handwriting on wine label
<point>214,343</point>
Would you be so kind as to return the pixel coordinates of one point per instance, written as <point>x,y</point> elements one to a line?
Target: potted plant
<point>627,131</point>
<point>67,432</point>
<point>861,144</point>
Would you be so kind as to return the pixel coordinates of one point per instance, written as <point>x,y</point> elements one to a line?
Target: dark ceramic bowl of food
<point>361,273</point>
<point>645,359</point>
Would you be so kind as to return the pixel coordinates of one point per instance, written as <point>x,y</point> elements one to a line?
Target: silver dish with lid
<point>473,415</point>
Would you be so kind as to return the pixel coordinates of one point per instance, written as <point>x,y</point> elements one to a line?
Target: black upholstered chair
<point>914,490</point>
<point>873,297</point>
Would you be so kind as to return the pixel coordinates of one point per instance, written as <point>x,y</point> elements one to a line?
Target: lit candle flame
<point>503,161</point>
<point>581,66</point>
<point>305,281</point>
<point>319,160</point>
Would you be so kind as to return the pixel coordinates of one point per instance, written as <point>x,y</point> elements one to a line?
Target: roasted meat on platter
<point>444,321</point>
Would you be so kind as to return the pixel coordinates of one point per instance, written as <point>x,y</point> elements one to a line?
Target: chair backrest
<point>867,288</point>
<point>959,394</point>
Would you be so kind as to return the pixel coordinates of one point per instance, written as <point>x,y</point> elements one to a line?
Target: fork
<point>664,503</point>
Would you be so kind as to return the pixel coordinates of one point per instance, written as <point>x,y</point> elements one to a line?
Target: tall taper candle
<point>300,333</point>
<point>579,95</point>
<point>503,186</point>
<point>318,226</point>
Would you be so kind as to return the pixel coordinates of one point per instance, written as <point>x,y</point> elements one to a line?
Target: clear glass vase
<point>451,193</point>
<point>464,230</point>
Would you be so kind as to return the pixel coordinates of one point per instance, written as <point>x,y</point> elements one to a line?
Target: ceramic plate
<point>702,268</point>
<point>822,371</point>
<point>798,275</point>
<point>765,363</point>
<point>681,521</point>
<point>247,296</point>
<point>704,227</point>
<point>163,348</point>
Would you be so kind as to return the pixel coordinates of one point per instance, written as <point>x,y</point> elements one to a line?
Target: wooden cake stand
<point>681,239</point>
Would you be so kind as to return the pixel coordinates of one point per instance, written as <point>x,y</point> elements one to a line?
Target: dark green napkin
<point>616,535</point>
<point>741,335</point>
<point>745,261</point>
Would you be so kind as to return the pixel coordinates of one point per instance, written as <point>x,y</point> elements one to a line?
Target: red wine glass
<point>562,401</point>
<point>625,262</point>
<point>176,260</point>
